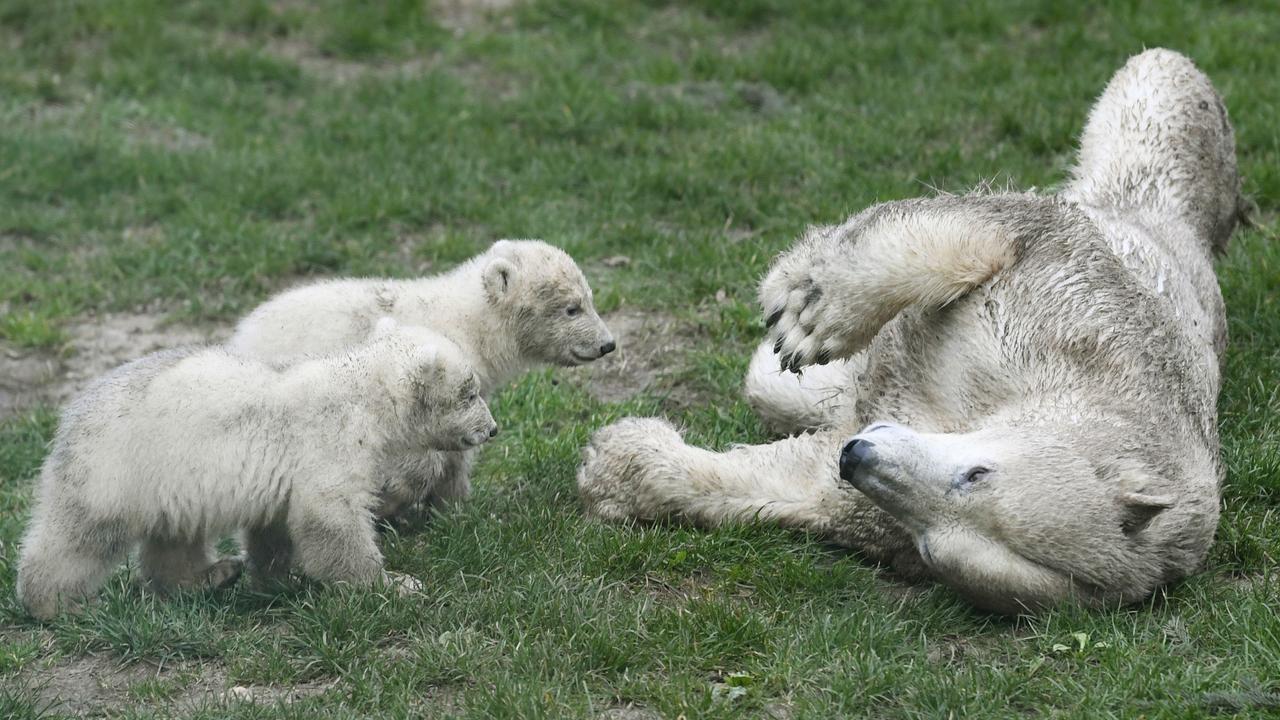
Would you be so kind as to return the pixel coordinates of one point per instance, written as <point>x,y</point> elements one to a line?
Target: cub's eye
<point>573,310</point>
<point>974,475</point>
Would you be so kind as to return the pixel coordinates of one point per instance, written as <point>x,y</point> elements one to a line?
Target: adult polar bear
<point>1030,381</point>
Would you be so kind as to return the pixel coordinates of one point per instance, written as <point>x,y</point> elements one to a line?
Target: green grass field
<point>187,159</point>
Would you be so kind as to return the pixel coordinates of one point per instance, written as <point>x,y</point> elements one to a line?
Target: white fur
<point>181,447</point>
<point>1050,366</point>
<point>507,309</point>
<point>790,402</point>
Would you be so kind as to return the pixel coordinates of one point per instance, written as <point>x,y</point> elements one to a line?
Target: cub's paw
<point>622,467</point>
<point>404,585</point>
<point>800,297</point>
<point>223,573</point>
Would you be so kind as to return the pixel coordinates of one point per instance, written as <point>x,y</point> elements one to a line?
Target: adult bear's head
<point>1019,518</point>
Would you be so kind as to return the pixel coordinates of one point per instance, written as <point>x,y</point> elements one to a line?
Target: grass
<point>196,156</point>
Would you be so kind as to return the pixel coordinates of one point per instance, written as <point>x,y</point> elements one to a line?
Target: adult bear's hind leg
<point>790,402</point>
<point>1159,139</point>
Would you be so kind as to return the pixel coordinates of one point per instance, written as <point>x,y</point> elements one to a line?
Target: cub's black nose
<point>493,431</point>
<point>607,348</point>
<point>856,451</point>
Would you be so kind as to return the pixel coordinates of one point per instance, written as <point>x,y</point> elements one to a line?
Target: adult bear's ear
<point>1137,510</point>
<point>499,274</point>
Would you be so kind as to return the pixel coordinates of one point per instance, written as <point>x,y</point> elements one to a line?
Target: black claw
<point>823,358</point>
<point>773,318</point>
<point>777,346</point>
<point>784,362</point>
<point>795,363</point>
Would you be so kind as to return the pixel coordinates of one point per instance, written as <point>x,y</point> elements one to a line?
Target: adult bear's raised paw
<point>797,296</point>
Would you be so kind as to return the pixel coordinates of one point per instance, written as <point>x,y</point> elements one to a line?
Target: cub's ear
<point>1137,510</point>
<point>430,361</point>
<point>384,327</point>
<point>428,370</point>
<point>499,274</point>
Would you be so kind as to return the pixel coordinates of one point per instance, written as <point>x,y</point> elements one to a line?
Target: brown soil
<point>97,344</point>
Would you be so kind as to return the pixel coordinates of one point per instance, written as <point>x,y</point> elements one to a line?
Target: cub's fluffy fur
<point>520,304</point>
<point>182,446</point>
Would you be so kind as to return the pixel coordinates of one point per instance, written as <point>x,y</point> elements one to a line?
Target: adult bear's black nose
<point>854,453</point>
<point>607,348</point>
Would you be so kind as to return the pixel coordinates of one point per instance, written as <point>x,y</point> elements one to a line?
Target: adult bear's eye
<point>975,474</point>
<point>573,310</point>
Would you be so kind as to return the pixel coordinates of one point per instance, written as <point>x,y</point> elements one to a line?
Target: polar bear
<point>181,446</point>
<point>1019,397</point>
<point>520,304</point>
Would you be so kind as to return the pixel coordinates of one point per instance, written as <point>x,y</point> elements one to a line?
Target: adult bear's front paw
<point>798,298</point>
<point>622,466</point>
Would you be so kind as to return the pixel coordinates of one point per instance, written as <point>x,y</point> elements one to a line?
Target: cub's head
<point>437,393</point>
<point>1018,519</point>
<point>547,301</point>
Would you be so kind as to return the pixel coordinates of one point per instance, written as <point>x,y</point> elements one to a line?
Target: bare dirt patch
<point>274,694</point>
<point>630,712</point>
<point>98,343</point>
<point>758,97</point>
<point>462,15</point>
<point>97,685</point>
<point>697,584</point>
<point>649,343</point>
<point>166,137</point>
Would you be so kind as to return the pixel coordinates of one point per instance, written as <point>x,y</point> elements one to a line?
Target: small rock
<point>616,261</point>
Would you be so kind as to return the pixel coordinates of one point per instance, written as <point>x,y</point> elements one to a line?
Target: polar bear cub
<point>181,446</point>
<point>521,304</point>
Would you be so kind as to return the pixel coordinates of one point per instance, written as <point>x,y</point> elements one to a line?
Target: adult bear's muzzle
<point>856,452</point>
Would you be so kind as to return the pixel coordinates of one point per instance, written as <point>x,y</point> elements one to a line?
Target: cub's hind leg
<point>270,552</point>
<point>65,559</point>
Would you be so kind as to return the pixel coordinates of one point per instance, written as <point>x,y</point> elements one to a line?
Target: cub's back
<point>311,320</point>
<point>176,414</point>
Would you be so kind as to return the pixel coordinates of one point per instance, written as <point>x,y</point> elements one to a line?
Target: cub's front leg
<point>334,539</point>
<point>455,484</point>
